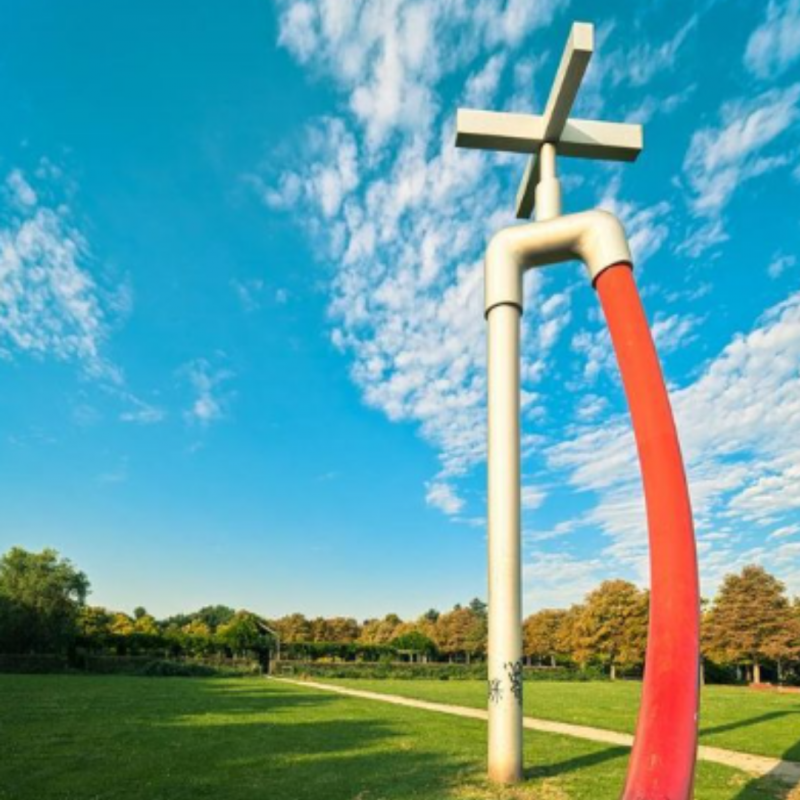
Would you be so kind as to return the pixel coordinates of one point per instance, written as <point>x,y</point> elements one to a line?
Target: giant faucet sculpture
<point>664,752</point>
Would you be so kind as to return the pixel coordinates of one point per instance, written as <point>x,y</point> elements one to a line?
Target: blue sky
<point>241,332</point>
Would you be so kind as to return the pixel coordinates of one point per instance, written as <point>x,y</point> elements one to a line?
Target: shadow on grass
<point>782,782</point>
<point>793,753</point>
<point>577,763</point>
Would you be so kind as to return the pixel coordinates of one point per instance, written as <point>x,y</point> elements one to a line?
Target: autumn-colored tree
<point>375,631</point>
<point>750,621</point>
<point>342,630</point>
<point>566,637</point>
<point>293,628</point>
<point>612,627</point>
<point>461,632</point>
<point>540,635</point>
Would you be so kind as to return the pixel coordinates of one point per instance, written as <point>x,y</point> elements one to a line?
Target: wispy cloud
<point>647,227</point>
<point>388,57</point>
<point>50,305</point>
<point>554,580</point>
<point>775,44</point>
<point>720,159</point>
<point>780,263</point>
<point>633,64</point>
<point>141,412</point>
<point>443,496</point>
<point>403,214</point>
<point>211,397</point>
<point>532,497</point>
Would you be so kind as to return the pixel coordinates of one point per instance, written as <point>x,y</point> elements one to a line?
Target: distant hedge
<point>128,665</point>
<point>444,672</point>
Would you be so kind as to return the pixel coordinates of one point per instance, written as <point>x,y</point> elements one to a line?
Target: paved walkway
<point>762,766</point>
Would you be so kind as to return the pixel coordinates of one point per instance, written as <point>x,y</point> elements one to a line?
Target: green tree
<point>146,624</point>
<point>41,595</point>
<point>415,643</point>
<point>121,624</point>
<point>214,616</point>
<point>748,622</point>
<point>613,625</point>
<point>478,607</point>
<point>194,637</point>
<point>243,634</point>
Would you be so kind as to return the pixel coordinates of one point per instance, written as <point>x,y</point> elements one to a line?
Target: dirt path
<point>762,766</point>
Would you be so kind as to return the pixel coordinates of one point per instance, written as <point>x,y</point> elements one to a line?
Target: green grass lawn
<point>98,737</point>
<point>733,717</point>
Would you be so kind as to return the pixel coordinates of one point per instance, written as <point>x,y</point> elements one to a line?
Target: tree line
<point>751,628</point>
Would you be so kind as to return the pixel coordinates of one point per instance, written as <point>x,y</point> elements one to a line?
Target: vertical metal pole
<point>548,188</point>
<point>505,612</point>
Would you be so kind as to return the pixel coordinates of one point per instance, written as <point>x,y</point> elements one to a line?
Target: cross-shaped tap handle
<point>528,133</point>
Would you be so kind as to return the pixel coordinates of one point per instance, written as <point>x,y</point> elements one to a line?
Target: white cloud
<point>211,398</point>
<point>639,64</point>
<point>652,105</point>
<point>332,153</point>
<point>21,190</point>
<point>673,331</point>
<point>784,531</point>
<point>443,496</point>
<point>140,412</point>
<point>721,159</point>
<point>647,227</point>
<point>532,497</point>
<point>50,305</point>
<point>406,223</point>
<point>632,63</point>
<point>775,44</point>
<point>594,350</point>
<point>555,580</point>
<point>481,86</point>
<point>249,293</point>
<point>780,263</point>
<point>389,56</point>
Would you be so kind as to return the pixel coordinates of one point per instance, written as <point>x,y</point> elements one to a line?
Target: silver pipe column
<point>598,239</point>
<point>505,612</point>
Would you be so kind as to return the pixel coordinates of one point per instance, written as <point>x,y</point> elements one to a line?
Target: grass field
<point>97,738</point>
<point>764,723</point>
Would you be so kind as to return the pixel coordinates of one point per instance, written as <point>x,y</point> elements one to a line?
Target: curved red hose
<point>665,747</point>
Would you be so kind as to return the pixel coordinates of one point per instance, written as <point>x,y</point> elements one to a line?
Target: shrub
<point>444,672</point>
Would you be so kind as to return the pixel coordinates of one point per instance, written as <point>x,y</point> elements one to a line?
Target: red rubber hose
<point>665,747</point>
